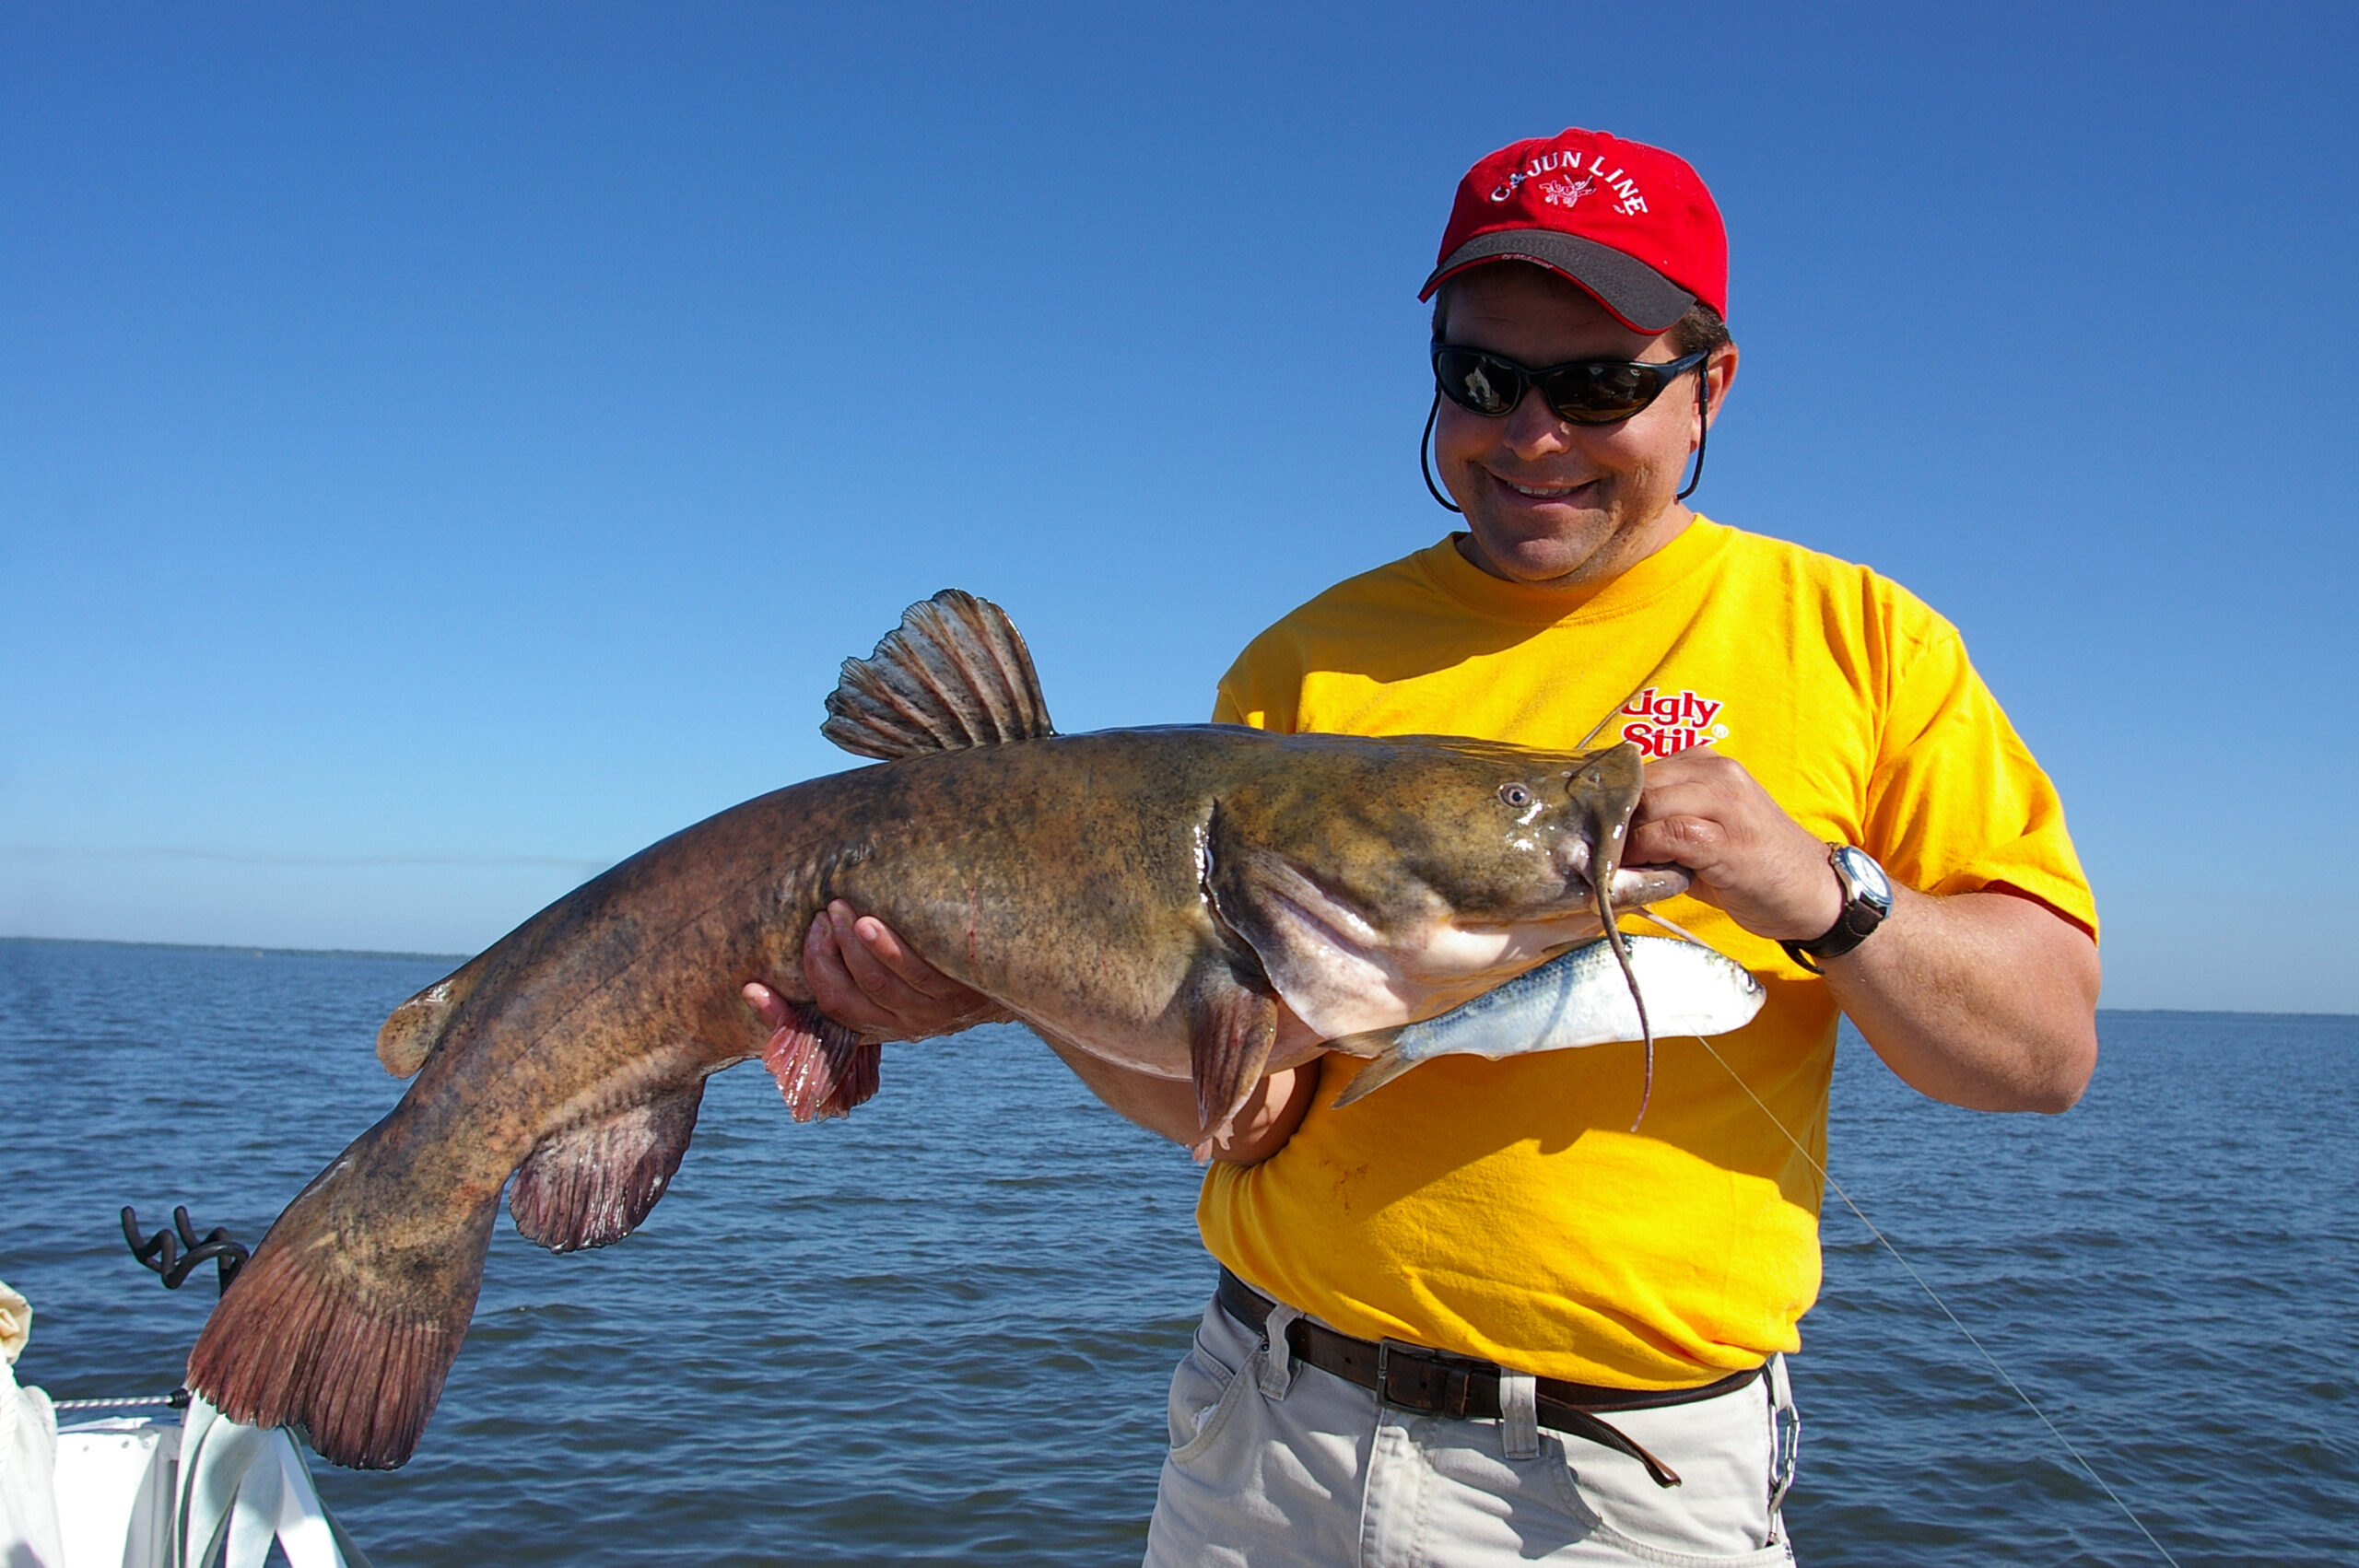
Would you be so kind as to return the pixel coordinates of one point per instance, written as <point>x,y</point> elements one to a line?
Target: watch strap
<point>1857,920</point>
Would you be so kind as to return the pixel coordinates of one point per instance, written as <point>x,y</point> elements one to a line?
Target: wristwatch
<point>1867,899</point>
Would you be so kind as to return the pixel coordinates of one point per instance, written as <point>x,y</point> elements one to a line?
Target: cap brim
<point>1640,298</point>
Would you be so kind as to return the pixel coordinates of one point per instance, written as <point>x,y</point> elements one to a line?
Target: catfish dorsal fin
<point>954,674</point>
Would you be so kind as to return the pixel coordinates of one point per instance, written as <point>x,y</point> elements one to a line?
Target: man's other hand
<point>1985,999</point>
<point>1705,812</point>
<point>864,976</point>
<point>869,980</point>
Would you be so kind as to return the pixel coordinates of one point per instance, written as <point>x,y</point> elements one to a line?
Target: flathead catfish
<point>1178,901</point>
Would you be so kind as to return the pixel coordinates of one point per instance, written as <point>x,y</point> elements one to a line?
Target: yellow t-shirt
<point>1503,1210</point>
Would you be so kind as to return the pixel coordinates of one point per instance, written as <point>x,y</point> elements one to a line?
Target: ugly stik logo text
<point>1662,723</point>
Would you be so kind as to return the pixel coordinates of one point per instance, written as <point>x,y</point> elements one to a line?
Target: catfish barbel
<point>1192,901</point>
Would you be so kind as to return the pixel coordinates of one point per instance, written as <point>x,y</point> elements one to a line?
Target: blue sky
<point>443,448</point>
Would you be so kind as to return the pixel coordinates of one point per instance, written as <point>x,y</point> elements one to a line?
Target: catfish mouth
<point>1632,885</point>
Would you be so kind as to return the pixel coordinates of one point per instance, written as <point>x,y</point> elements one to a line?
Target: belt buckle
<point>1450,1398</point>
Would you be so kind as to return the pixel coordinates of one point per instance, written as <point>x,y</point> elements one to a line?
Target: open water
<point>940,1331</point>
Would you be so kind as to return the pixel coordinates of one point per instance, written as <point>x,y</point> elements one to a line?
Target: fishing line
<point>2016,1388</point>
<point>1884,1241</point>
<point>1616,711</point>
<point>1682,932</point>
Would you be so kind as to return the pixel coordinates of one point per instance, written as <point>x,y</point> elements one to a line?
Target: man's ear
<point>1719,374</point>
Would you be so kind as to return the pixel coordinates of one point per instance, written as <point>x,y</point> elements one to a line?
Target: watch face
<point>1866,876</point>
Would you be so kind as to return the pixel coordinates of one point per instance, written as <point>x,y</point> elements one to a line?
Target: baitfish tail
<point>1379,1070</point>
<point>345,1323</point>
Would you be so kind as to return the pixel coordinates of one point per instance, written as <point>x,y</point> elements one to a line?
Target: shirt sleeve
<point>1956,803</point>
<point>1263,688</point>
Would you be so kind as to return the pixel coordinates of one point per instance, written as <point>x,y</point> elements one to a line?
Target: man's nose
<point>1534,429</point>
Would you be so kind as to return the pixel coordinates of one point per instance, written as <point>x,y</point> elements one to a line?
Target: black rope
<point>1703,435</point>
<point>173,1255</point>
<point>1425,467</point>
<point>1703,425</point>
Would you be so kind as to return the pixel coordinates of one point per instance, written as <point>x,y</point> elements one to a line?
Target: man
<point>1578,1326</point>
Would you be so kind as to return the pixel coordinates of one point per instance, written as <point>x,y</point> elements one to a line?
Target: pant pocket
<point>1779,1555</point>
<point>1219,1368</point>
<point>1719,1516</point>
<point>1199,1384</point>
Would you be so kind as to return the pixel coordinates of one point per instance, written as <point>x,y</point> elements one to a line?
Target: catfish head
<point>1379,886</point>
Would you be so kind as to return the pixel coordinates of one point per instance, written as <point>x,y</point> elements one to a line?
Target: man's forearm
<point>1167,1107</point>
<point>1983,1000</point>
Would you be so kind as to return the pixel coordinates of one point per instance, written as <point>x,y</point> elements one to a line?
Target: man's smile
<point>1544,492</point>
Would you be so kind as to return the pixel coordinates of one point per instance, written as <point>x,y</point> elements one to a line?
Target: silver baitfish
<point>1582,998</point>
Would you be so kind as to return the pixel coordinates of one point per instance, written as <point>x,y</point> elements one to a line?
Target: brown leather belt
<point>1438,1383</point>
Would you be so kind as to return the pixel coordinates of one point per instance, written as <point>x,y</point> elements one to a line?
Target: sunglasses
<point>1585,391</point>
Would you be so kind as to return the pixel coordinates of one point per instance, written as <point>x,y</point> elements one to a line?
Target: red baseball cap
<point>1630,223</point>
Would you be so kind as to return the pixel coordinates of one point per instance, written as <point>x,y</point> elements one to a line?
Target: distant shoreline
<point>233,947</point>
<point>454,959</point>
<point>2209,1012</point>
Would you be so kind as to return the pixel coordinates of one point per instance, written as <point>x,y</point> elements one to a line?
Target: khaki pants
<point>1275,1465</point>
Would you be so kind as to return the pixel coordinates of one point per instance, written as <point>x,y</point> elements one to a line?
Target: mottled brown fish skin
<point>1065,877</point>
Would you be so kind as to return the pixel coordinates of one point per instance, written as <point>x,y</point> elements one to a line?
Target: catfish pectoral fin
<point>341,1332</point>
<point>823,1069</point>
<point>1230,1029</point>
<point>592,1183</point>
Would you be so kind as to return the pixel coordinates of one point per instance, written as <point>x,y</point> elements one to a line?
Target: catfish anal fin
<point>954,673</point>
<point>592,1183</point>
<point>823,1069</point>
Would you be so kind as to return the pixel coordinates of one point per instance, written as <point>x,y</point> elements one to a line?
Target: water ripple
<point>939,1330</point>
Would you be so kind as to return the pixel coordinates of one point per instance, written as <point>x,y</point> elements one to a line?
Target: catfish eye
<point>1514,795</point>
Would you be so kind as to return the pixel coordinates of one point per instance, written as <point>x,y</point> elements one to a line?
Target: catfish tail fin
<point>343,1328</point>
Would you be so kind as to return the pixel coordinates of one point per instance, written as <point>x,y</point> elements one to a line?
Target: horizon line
<point>271,857</point>
<point>261,950</point>
<point>258,949</point>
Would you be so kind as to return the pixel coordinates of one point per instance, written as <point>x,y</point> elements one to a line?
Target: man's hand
<point>865,978</point>
<point>1703,811</point>
<point>869,980</point>
<point>1985,1000</point>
